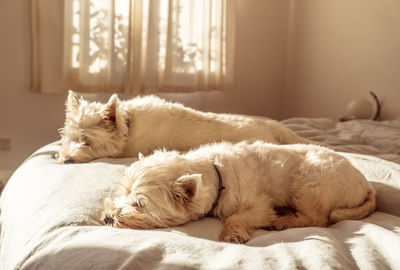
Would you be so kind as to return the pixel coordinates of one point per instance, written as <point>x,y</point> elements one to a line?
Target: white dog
<point>126,128</point>
<point>241,184</point>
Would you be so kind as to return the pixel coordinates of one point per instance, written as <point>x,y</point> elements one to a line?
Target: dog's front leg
<point>239,226</point>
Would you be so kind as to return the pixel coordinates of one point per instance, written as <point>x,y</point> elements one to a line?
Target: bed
<point>50,216</point>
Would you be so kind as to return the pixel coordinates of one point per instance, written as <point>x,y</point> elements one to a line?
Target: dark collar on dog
<point>128,122</point>
<point>128,125</point>
<point>220,188</point>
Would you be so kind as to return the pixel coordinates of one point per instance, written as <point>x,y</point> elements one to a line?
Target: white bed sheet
<point>49,217</point>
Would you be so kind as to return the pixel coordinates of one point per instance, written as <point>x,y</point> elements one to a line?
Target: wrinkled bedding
<point>380,139</point>
<point>50,212</point>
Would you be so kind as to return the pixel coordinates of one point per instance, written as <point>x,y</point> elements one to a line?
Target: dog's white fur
<point>169,189</point>
<point>140,125</point>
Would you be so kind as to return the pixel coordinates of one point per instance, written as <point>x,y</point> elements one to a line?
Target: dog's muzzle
<point>67,161</point>
<point>63,159</point>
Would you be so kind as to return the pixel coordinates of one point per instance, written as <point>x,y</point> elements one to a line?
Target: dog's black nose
<point>68,161</point>
<point>108,220</point>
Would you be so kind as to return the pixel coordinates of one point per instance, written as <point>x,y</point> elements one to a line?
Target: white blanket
<point>50,212</point>
<point>377,138</point>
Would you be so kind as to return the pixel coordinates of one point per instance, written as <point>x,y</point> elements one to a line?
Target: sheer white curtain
<point>133,46</point>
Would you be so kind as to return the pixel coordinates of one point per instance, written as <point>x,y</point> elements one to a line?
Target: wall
<point>32,120</point>
<point>29,119</point>
<point>340,50</point>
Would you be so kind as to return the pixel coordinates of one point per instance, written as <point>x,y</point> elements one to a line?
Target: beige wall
<point>340,50</point>
<point>32,120</point>
<point>29,119</point>
<point>293,58</point>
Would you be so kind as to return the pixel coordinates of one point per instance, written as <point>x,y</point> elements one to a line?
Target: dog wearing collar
<point>125,128</point>
<point>241,184</point>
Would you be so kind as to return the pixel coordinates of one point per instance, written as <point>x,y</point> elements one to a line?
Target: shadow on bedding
<point>102,258</point>
<point>388,198</point>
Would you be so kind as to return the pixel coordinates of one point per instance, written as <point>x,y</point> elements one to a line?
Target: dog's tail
<point>358,212</point>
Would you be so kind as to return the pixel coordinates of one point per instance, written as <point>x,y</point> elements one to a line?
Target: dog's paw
<point>234,233</point>
<point>268,228</point>
<point>278,227</point>
<point>233,238</point>
<point>280,223</point>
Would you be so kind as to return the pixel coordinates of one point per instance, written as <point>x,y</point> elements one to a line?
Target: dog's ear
<point>72,101</point>
<point>113,101</point>
<point>110,109</point>
<point>185,187</point>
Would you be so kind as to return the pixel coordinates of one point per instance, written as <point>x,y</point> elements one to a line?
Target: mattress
<point>50,216</point>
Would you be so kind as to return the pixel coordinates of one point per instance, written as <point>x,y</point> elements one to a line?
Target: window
<point>136,46</point>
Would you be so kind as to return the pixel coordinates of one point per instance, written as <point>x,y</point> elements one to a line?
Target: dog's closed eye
<point>138,204</point>
<point>86,141</point>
